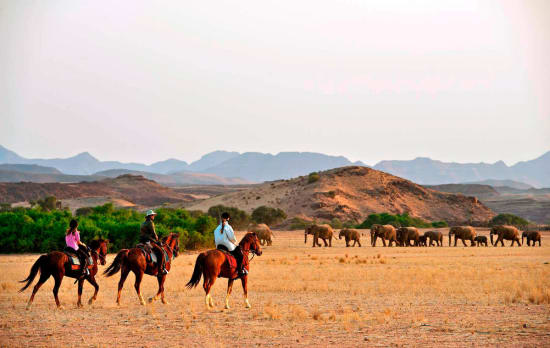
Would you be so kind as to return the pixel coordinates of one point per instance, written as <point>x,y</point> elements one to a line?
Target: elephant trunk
<point>522,237</point>
<point>305,239</point>
<point>491,235</point>
<point>450,238</point>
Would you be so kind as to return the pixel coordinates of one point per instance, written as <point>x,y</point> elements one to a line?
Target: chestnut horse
<point>213,264</point>
<point>57,265</point>
<point>133,260</point>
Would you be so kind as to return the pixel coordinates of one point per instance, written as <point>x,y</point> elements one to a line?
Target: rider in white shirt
<point>224,237</point>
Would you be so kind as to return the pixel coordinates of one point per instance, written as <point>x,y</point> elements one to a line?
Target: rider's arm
<point>230,234</point>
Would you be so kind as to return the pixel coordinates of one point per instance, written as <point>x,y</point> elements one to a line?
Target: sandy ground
<point>303,296</point>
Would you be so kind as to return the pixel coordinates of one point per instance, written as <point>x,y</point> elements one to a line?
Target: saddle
<point>149,253</point>
<point>74,260</point>
<point>231,260</point>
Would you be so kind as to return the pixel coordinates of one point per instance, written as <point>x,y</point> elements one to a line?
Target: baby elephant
<point>481,240</point>
<point>350,235</point>
<point>422,240</point>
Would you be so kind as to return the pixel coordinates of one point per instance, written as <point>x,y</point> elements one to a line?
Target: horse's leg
<point>160,278</point>
<point>229,288</point>
<point>123,275</point>
<point>57,277</point>
<point>91,280</point>
<point>79,302</point>
<point>137,285</point>
<point>244,281</point>
<point>207,285</point>
<point>43,277</point>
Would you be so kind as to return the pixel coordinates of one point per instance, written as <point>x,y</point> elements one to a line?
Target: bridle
<point>100,255</point>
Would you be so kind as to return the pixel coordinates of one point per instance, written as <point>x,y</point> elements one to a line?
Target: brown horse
<point>133,260</point>
<point>57,265</point>
<point>213,264</point>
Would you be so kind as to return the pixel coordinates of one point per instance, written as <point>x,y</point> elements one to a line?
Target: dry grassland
<point>306,296</point>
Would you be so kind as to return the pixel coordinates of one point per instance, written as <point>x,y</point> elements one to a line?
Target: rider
<point>74,245</point>
<point>224,237</point>
<point>149,237</point>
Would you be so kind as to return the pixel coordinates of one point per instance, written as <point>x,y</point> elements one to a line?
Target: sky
<point>143,81</point>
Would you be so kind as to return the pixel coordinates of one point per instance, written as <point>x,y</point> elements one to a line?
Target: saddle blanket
<point>150,255</point>
<point>231,260</point>
<point>75,261</point>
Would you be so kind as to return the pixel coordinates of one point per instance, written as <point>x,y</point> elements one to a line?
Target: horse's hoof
<point>28,307</point>
<point>247,304</point>
<point>79,305</point>
<point>142,303</point>
<point>151,299</point>
<point>60,308</point>
<point>164,301</point>
<point>90,301</point>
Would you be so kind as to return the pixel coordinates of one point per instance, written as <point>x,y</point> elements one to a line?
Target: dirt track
<point>304,296</point>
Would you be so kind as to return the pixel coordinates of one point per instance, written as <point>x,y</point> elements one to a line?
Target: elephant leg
<point>463,241</point>
<point>384,241</point>
<point>325,241</point>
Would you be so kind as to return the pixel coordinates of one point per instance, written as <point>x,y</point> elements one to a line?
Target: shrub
<point>298,224</point>
<point>313,177</point>
<point>336,223</point>
<point>508,219</point>
<point>239,218</point>
<point>268,215</point>
<point>398,220</point>
<point>37,230</point>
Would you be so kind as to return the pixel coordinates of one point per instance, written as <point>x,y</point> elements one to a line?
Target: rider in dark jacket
<point>148,236</point>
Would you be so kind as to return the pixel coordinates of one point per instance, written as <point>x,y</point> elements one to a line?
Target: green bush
<point>336,223</point>
<point>313,177</point>
<point>268,215</point>
<point>239,218</point>
<point>298,224</point>
<point>398,220</point>
<point>508,219</point>
<point>37,230</point>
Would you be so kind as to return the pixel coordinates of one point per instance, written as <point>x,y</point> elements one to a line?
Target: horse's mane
<point>247,238</point>
<point>95,243</point>
<point>173,235</point>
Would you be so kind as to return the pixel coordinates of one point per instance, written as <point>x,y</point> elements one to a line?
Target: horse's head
<point>100,246</point>
<point>173,242</point>
<point>251,242</point>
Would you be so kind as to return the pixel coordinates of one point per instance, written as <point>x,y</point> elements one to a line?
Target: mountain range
<point>259,167</point>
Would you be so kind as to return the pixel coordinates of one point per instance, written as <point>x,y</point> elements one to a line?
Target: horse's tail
<point>197,272</point>
<point>114,267</point>
<point>34,271</point>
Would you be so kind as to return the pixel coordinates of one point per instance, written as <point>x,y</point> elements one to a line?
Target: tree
<point>239,218</point>
<point>268,215</point>
<point>508,219</point>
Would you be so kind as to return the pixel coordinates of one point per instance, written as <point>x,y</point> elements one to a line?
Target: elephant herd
<point>410,236</point>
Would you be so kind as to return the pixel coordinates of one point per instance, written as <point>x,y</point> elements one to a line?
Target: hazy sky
<point>463,81</point>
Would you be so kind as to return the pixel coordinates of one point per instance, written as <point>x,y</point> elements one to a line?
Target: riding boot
<point>162,263</point>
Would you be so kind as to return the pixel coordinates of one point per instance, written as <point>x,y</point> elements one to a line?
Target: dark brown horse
<point>133,260</point>
<point>57,265</point>
<point>214,264</point>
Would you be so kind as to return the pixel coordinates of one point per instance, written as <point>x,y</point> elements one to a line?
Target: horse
<point>57,265</point>
<point>134,260</point>
<point>213,264</point>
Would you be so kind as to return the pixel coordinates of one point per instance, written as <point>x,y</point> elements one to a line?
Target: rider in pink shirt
<point>72,238</point>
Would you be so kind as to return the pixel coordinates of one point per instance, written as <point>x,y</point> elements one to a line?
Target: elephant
<point>481,240</point>
<point>319,231</point>
<point>263,232</point>
<point>434,236</point>
<point>384,232</point>
<point>534,236</point>
<point>463,233</point>
<point>505,232</point>
<point>406,234</point>
<point>422,240</point>
<point>350,235</point>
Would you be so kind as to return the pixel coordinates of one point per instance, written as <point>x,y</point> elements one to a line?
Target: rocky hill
<point>350,194</point>
<point>135,189</point>
<point>475,190</point>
